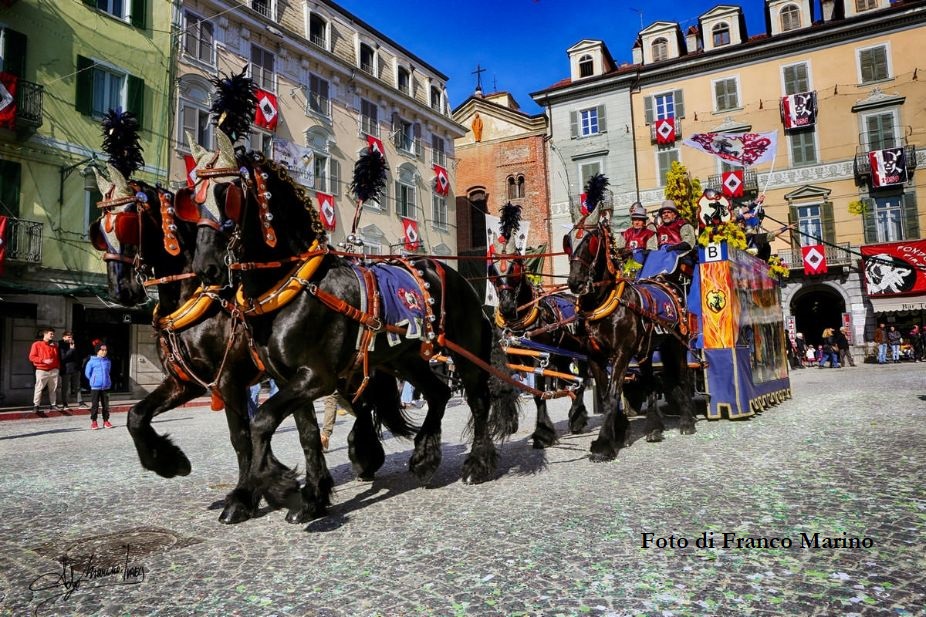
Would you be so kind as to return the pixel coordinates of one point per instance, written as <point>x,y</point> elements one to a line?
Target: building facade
<point>65,64</point>
<point>502,158</point>
<point>852,66</point>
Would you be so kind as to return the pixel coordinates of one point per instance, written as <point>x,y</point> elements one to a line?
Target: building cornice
<point>469,107</point>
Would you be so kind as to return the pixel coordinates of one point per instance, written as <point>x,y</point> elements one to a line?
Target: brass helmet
<point>637,211</point>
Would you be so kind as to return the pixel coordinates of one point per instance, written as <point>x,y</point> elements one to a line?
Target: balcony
<point>863,163</point>
<point>843,254</point>
<point>439,157</point>
<point>29,97</point>
<point>367,68</point>
<point>24,241</point>
<point>369,126</point>
<point>319,104</point>
<point>264,7</point>
<point>750,181</point>
<point>319,40</point>
<point>407,145</point>
<point>678,131</point>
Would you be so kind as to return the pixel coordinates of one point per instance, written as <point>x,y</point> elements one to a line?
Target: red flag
<point>410,228</point>
<point>814,259</point>
<point>888,167</point>
<point>583,207</point>
<point>441,181</point>
<point>326,208</point>
<point>665,131</point>
<point>8,100</point>
<point>3,224</point>
<point>267,113</point>
<point>731,183</point>
<point>376,145</point>
<point>190,163</point>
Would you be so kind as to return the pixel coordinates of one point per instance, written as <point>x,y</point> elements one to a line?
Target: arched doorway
<point>817,308</point>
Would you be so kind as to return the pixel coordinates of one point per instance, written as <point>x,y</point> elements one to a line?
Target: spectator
<point>917,340</point>
<point>894,339</point>
<point>44,357</point>
<point>332,403</point>
<point>69,371</point>
<point>842,346</point>
<point>881,341</point>
<point>801,348</point>
<point>829,351</point>
<point>254,396</point>
<point>97,372</point>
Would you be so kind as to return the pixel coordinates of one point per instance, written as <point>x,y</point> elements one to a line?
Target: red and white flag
<point>327,210</point>
<point>665,131</point>
<point>814,259</point>
<point>799,110</point>
<point>190,163</point>
<point>376,145</point>
<point>731,183</point>
<point>268,113</point>
<point>441,181</point>
<point>888,167</point>
<point>583,207</point>
<point>8,100</point>
<point>743,149</point>
<point>410,228</point>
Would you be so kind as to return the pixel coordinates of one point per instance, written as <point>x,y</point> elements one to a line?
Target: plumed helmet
<point>637,211</point>
<point>668,204</point>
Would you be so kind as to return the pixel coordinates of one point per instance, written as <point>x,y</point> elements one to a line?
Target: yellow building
<point>857,65</point>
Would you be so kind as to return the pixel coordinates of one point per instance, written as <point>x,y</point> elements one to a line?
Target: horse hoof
<point>687,430</point>
<point>235,513</point>
<point>578,428</point>
<point>366,478</point>
<point>543,440</point>
<point>602,452</point>
<point>654,436</point>
<point>476,473</point>
<point>304,515</point>
<point>600,457</point>
<point>180,466</point>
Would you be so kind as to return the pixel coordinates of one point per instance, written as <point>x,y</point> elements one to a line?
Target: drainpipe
<point>633,137</point>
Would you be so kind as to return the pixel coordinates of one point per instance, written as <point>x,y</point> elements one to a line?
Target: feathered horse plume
<point>369,176</point>
<point>120,141</point>
<point>509,220</point>
<point>234,104</point>
<point>594,191</point>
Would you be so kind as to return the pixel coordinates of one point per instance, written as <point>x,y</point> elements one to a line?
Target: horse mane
<point>300,234</point>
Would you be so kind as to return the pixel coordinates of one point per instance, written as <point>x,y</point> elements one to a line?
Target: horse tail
<point>383,396</point>
<point>505,409</point>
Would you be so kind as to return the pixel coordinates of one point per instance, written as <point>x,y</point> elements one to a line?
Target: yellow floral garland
<point>725,232</point>
<point>777,267</point>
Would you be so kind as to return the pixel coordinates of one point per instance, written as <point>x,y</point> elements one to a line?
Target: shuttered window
<point>100,89</point>
<point>10,180</point>
<point>726,96</point>
<point>891,218</point>
<point>879,131</point>
<point>803,147</point>
<point>13,52</point>
<point>665,156</point>
<point>796,78</point>
<point>587,122</point>
<point>873,64</point>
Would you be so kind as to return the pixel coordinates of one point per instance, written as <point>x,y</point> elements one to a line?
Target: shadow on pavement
<point>48,432</point>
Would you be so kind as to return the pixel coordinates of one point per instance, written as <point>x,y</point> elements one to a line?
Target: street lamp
<point>87,173</point>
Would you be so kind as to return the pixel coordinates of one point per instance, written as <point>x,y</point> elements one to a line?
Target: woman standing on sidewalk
<point>97,372</point>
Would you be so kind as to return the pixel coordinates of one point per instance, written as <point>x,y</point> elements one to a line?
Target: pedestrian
<point>800,347</point>
<point>408,396</point>
<point>97,371</point>
<point>335,405</point>
<point>894,340</point>
<point>69,371</point>
<point>916,339</point>
<point>44,357</point>
<point>842,346</point>
<point>880,339</point>
<point>254,396</point>
<point>923,342</point>
<point>810,355</point>
<point>830,353</point>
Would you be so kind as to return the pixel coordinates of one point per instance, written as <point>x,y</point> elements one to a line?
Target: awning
<point>903,304</point>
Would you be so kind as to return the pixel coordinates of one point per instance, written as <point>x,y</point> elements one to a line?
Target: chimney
<point>691,39</point>
<point>637,53</point>
<point>827,7</point>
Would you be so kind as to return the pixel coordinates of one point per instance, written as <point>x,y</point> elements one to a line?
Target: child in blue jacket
<point>97,372</point>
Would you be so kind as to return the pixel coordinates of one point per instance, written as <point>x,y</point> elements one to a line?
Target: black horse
<point>305,308</point>
<point>524,311</point>
<point>202,346</point>
<point>625,320</point>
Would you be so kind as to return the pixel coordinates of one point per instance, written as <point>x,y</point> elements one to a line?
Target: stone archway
<point>816,307</point>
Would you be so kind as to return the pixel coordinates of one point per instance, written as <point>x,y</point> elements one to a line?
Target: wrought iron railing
<point>29,104</point>
<point>264,7</point>
<point>863,163</point>
<point>841,254</point>
<point>678,131</point>
<point>24,241</point>
<point>750,181</point>
<point>408,145</point>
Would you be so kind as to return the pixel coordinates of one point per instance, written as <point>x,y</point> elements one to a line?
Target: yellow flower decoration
<point>725,232</point>
<point>776,267</point>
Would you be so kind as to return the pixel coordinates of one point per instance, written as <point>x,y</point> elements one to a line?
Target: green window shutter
<point>334,175</point>
<point>136,98</point>
<point>679,103</point>
<point>828,221</point>
<point>869,221</point>
<point>602,120</point>
<point>574,124</point>
<point>14,52</point>
<point>139,8</point>
<point>83,101</point>
<point>911,217</point>
<point>10,180</point>
<point>648,109</point>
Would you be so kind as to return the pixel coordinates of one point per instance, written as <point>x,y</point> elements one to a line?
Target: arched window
<point>520,191</point>
<point>403,79</point>
<point>367,59</point>
<point>721,35</point>
<point>512,188</point>
<point>586,66</point>
<point>790,18</point>
<point>435,98</point>
<point>318,31</point>
<point>660,50</point>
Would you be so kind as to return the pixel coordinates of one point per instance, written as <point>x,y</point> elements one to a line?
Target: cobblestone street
<point>555,534</point>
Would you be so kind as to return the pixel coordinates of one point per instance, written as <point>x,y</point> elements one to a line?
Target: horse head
<point>588,248</point>
<point>508,275</point>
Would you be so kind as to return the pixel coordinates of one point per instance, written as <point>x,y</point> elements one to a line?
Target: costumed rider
<point>676,236</point>
<point>638,239</point>
<point>749,217</point>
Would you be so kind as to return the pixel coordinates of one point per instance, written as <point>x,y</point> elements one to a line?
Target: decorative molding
<point>878,99</point>
<point>808,175</point>
<point>729,125</point>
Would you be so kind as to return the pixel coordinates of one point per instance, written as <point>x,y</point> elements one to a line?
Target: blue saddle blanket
<point>656,300</point>
<point>660,262</point>
<point>401,300</point>
<point>565,306</point>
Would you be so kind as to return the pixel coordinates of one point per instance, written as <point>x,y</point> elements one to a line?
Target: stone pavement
<point>554,535</point>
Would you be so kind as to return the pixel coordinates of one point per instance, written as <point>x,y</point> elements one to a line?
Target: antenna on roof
<point>638,12</point>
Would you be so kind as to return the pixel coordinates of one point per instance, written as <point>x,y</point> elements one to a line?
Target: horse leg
<point>655,423</point>
<point>578,414</point>
<point>427,455</point>
<point>363,446</point>
<point>544,432</point>
<point>158,453</point>
<point>613,433</point>
<point>680,394</point>
<point>241,503</point>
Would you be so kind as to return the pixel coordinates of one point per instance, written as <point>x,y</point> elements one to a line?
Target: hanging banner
<point>732,183</point>
<point>888,167</point>
<point>665,131</point>
<point>410,231</point>
<point>799,110</point>
<point>8,83</point>
<point>190,164</point>
<point>895,268</point>
<point>299,160</point>
<point>376,145</point>
<point>327,210</point>
<point>743,149</point>
<point>4,221</point>
<point>441,181</point>
<point>814,259</point>
<point>267,113</point>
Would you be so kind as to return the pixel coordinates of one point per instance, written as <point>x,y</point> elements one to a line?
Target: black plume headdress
<point>120,141</point>
<point>594,191</point>
<point>509,220</point>
<point>234,104</point>
<point>369,176</point>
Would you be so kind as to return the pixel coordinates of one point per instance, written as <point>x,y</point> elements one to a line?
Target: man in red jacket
<point>44,357</point>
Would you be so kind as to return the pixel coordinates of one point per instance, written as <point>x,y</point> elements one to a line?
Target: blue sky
<point>522,43</point>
